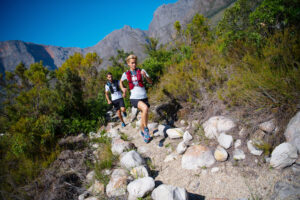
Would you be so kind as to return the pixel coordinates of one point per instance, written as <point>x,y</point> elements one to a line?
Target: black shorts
<point>118,103</point>
<point>134,102</point>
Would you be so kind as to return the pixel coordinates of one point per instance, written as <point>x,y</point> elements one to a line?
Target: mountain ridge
<point>12,52</point>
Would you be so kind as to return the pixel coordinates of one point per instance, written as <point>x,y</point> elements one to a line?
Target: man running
<point>117,100</point>
<point>138,95</point>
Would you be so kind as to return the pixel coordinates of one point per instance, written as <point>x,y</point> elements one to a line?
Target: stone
<point>237,143</point>
<point>169,192</point>
<point>134,113</point>
<point>117,184</point>
<point>170,157</point>
<point>175,133</point>
<point>252,149</point>
<point>90,177</point>
<point>283,155</point>
<point>152,126</point>
<point>96,188</point>
<point>215,169</point>
<point>131,159</point>
<point>118,146</point>
<point>142,150</point>
<point>195,124</point>
<point>182,122</point>
<point>287,189</point>
<point>220,154</point>
<point>268,126</point>
<point>238,154</point>
<point>113,133</point>
<point>138,124</point>
<point>196,157</point>
<point>225,140</point>
<point>140,187</point>
<point>91,198</point>
<point>216,125</point>
<point>243,133</point>
<point>292,132</point>
<point>73,142</point>
<point>139,172</point>
<point>95,146</point>
<point>187,137</point>
<point>181,148</point>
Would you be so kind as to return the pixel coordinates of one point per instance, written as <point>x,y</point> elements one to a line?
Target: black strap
<point>115,82</point>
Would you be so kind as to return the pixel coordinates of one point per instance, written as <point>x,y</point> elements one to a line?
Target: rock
<point>131,159</point>
<point>95,146</point>
<point>90,177</point>
<point>253,150</point>
<point>268,126</point>
<point>216,125</point>
<point>292,132</point>
<point>117,184</point>
<point>83,195</point>
<point>225,140</point>
<point>283,155</point>
<point>287,189</point>
<point>182,122</point>
<point>138,123</point>
<point>91,198</point>
<point>187,137</point>
<point>162,131</point>
<point>134,113</point>
<point>142,150</point>
<point>96,188</point>
<point>215,169</point>
<point>181,147</point>
<point>237,143</point>
<point>220,154</point>
<point>258,136</point>
<point>195,124</point>
<point>119,146</point>
<point>93,135</point>
<point>169,192</point>
<point>170,157</point>
<point>243,133</point>
<point>152,126</point>
<point>139,172</point>
<point>196,157</point>
<point>113,133</point>
<point>238,154</point>
<point>140,187</point>
<point>175,133</point>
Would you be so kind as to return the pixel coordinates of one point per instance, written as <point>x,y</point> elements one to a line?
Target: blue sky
<point>72,23</point>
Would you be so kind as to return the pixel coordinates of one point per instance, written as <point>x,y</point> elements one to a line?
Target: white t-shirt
<point>116,95</point>
<point>137,92</point>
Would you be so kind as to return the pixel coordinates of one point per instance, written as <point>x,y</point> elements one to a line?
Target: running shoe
<point>147,137</point>
<point>123,124</point>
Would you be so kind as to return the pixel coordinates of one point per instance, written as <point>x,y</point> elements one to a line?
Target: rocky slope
<point>127,38</point>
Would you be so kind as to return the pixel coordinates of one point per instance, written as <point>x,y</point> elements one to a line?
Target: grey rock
<point>119,146</point>
<point>131,159</point>
<point>253,150</point>
<point>225,140</point>
<point>169,192</point>
<point>220,154</point>
<point>181,147</point>
<point>196,157</point>
<point>292,132</point>
<point>283,155</point>
<point>117,184</point>
<point>175,133</point>
<point>216,125</point>
<point>238,154</point>
<point>139,172</point>
<point>268,126</point>
<point>140,187</point>
<point>286,189</point>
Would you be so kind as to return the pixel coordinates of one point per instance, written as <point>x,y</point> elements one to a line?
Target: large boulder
<point>139,172</point>
<point>175,133</point>
<point>117,184</point>
<point>196,157</point>
<point>169,192</point>
<point>140,187</point>
<point>292,132</point>
<point>73,142</point>
<point>118,146</point>
<point>283,155</point>
<point>131,159</point>
<point>216,125</point>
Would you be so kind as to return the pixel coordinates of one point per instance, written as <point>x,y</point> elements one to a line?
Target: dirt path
<point>233,180</point>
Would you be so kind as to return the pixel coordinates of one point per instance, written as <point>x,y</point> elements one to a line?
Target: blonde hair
<point>131,56</point>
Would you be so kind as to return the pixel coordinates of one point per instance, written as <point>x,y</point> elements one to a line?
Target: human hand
<point>143,74</point>
<point>109,102</point>
<point>124,95</point>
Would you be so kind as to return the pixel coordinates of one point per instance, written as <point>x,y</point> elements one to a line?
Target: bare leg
<point>120,116</point>
<point>144,109</point>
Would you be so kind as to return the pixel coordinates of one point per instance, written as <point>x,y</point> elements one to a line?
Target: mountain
<point>13,52</point>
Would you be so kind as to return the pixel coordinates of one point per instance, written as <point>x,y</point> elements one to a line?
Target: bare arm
<point>123,88</point>
<point>148,79</point>
<point>107,97</point>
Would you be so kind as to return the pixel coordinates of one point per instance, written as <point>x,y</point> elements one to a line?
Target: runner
<point>138,95</point>
<point>116,96</point>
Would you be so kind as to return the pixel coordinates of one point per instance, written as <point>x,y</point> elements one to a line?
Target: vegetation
<point>250,60</point>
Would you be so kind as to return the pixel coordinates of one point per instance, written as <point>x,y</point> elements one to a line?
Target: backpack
<point>115,83</point>
<point>139,78</point>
